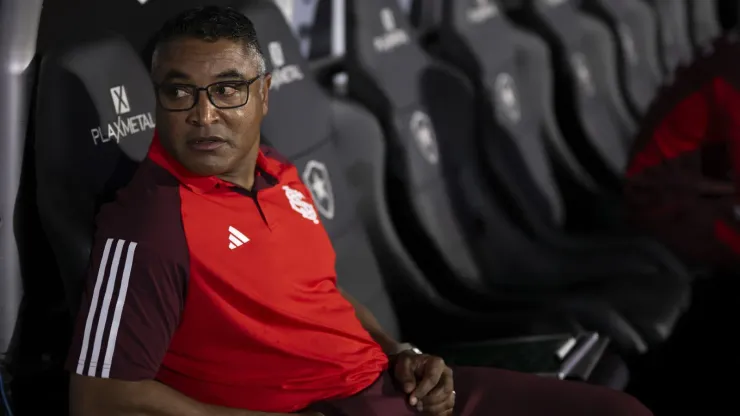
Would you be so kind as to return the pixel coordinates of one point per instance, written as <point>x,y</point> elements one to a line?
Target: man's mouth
<point>206,144</point>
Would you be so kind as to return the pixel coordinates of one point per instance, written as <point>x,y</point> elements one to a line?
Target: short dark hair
<point>212,23</point>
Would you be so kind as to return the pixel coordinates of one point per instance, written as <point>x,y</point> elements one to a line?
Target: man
<point>681,178</point>
<point>178,321</point>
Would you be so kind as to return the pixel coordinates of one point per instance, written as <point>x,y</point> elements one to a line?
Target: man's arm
<point>130,310</point>
<point>426,379</point>
<point>371,325</point>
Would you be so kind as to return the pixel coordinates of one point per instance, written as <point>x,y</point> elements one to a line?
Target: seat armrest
<point>563,356</point>
<point>579,364</point>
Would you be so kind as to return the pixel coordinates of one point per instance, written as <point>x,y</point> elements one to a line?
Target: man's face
<point>208,140</point>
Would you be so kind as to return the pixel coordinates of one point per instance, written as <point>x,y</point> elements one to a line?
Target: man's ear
<point>265,92</point>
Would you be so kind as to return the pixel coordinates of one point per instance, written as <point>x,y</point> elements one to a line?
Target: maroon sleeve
<point>137,282</point>
<point>130,309</point>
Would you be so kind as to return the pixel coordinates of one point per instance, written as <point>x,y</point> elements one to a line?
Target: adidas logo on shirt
<point>236,238</point>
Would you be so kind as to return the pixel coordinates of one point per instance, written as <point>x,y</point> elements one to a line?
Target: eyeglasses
<point>223,94</point>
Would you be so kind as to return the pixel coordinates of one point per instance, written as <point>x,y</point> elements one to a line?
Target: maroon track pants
<point>488,391</point>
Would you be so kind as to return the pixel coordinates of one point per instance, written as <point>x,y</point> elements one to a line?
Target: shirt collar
<point>268,171</point>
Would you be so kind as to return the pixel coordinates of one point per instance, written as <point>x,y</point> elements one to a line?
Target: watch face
<point>407,347</point>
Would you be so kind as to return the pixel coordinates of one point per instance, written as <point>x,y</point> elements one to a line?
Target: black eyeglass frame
<point>196,89</point>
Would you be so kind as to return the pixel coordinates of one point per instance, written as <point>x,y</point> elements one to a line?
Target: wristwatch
<point>406,346</point>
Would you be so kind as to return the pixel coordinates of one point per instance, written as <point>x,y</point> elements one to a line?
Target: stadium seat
<point>590,108</point>
<point>586,208</point>
<point>673,29</point>
<point>704,25</point>
<point>513,78</point>
<point>95,120</point>
<point>30,325</point>
<point>26,333</point>
<point>522,108</point>
<point>459,232</point>
<point>633,25</point>
<point>18,26</point>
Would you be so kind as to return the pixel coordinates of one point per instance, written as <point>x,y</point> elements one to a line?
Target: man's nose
<point>205,112</point>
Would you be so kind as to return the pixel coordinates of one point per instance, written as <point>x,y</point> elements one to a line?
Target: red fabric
<point>728,235</point>
<point>264,326</point>
<point>664,192</point>
<point>728,100</point>
<point>683,130</point>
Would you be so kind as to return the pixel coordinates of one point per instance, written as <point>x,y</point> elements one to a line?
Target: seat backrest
<point>673,24</point>
<point>635,25</point>
<point>301,126</point>
<point>94,123</point>
<point>585,54</point>
<point>704,25</point>
<point>389,73</point>
<point>18,29</point>
<point>65,24</point>
<point>515,77</point>
<point>445,209</point>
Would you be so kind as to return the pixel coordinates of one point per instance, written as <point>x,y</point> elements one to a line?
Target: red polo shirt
<point>224,294</point>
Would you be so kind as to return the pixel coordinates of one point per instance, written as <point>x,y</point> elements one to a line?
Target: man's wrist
<point>403,347</point>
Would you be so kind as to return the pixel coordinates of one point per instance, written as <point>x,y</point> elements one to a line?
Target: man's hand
<point>427,381</point>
